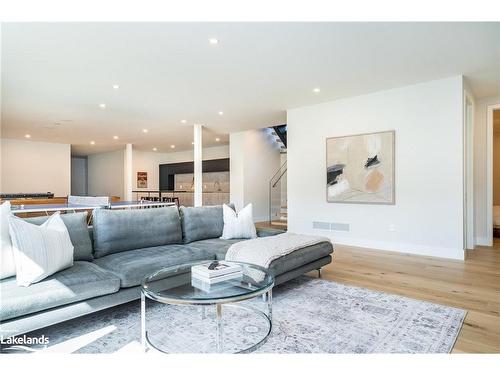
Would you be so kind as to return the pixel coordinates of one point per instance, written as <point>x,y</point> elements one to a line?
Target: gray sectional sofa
<point>118,251</point>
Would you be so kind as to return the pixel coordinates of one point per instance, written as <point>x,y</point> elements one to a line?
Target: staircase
<point>282,220</point>
<point>279,134</point>
<point>278,206</point>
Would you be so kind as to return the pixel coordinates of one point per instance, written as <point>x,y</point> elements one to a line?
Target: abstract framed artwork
<point>360,168</point>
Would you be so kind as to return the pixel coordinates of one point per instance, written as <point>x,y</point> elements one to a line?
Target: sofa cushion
<point>200,223</point>
<point>267,232</point>
<point>82,281</point>
<point>78,233</point>
<point>121,230</point>
<point>215,246</point>
<point>132,266</point>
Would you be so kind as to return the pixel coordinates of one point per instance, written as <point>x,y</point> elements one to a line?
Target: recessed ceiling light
<point>316,90</point>
<point>183,121</point>
<point>27,136</point>
<point>213,41</point>
<point>144,130</point>
<point>217,139</point>
<point>155,149</point>
<point>92,142</point>
<point>221,113</point>
<point>116,87</point>
<point>172,146</point>
<point>102,105</point>
<point>115,137</point>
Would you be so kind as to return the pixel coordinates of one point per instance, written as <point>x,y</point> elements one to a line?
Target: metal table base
<point>266,295</point>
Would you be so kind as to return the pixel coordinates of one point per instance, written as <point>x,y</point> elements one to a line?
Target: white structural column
<point>127,173</point>
<point>198,172</point>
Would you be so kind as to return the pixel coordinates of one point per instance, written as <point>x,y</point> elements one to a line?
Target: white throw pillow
<point>7,264</point>
<point>40,250</point>
<point>238,225</point>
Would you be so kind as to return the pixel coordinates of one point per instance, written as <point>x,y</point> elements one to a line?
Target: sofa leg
<point>319,273</point>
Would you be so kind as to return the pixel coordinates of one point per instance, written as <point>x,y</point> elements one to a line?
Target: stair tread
<point>279,223</point>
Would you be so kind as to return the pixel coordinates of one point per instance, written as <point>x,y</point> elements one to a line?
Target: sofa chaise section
<point>303,260</point>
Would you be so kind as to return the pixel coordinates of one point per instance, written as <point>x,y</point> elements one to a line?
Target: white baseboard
<point>482,241</point>
<point>405,248</point>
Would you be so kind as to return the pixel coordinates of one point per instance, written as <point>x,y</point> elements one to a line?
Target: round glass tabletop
<point>181,285</point>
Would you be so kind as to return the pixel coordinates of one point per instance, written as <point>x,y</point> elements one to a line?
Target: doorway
<point>79,175</point>
<point>494,170</point>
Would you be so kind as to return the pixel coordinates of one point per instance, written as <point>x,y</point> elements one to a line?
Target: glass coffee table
<point>176,286</point>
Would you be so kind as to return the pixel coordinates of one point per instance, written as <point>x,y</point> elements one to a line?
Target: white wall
<point>254,160</point>
<point>35,167</point>
<point>128,178</point>
<point>237,170</point>
<point>480,183</point>
<point>428,215</point>
<point>78,176</point>
<point>106,174</point>
<point>469,102</point>
<point>145,161</point>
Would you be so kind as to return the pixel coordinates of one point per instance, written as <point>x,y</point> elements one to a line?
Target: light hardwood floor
<point>473,285</point>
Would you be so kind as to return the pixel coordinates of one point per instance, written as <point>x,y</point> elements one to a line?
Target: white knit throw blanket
<point>263,250</point>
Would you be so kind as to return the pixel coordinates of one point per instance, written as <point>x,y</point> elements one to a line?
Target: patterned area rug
<point>309,316</point>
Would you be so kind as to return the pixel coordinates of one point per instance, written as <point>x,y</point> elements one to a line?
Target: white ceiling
<point>55,75</point>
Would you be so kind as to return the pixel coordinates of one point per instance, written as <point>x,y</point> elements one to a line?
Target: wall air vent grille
<point>321,225</point>
<point>340,227</point>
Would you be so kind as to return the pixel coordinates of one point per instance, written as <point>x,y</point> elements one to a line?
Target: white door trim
<point>489,173</point>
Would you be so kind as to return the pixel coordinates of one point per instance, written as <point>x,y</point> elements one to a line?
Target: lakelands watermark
<point>23,342</point>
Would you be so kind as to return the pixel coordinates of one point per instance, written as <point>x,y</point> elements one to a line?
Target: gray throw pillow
<point>76,223</point>
<point>201,223</point>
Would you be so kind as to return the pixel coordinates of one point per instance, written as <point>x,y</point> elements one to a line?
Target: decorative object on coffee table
<point>178,286</point>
